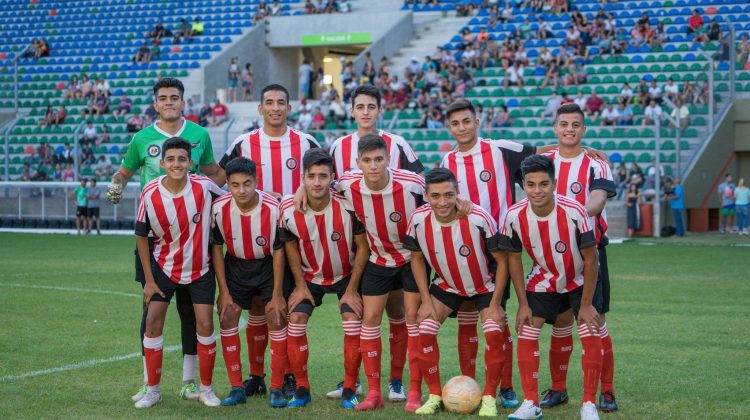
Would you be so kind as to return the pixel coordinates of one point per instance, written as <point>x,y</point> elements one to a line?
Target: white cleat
<point>209,399</point>
<point>589,411</point>
<point>138,395</point>
<point>396,391</point>
<point>527,411</point>
<point>150,399</point>
<point>336,393</point>
<point>189,391</point>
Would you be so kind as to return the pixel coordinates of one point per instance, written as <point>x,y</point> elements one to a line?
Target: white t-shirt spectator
<point>672,89</point>
<point>573,36</point>
<point>654,92</point>
<point>515,73</point>
<point>89,133</point>
<point>684,112</point>
<point>610,115</point>
<point>305,120</point>
<point>580,101</point>
<point>552,104</point>
<point>652,112</point>
<point>626,92</point>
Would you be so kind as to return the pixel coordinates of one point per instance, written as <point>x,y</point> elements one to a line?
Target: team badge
<point>154,150</point>
<point>485,176</point>
<point>197,218</point>
<point>561,247</point>
<point>291,163</point>
<point>261,240</point>
<point>395,217</point>
<point>335,236</point>
<point>195,145</point>
<point>576,187</point>
<point>464,251</point>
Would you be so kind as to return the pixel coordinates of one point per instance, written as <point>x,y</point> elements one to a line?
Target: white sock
<point>189,362</point>
<point>204,388</point>
<point>156,388</point>
<point>145,372</point>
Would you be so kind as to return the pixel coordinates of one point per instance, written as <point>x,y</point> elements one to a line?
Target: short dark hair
<point>460,105</point>
<point>438,175</point>
<point>274,87</point>
<point>538,163</point>
<point>569,108</point>
<point>316,156</point>
<point>175,143</point>
<point>169,82</point>
<point>367,90</point>
<point>240,165</point>
<point>370,142</point>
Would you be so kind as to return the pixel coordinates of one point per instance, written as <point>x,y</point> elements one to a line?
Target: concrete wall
<point>398,35</point>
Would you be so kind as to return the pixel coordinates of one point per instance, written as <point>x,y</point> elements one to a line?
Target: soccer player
<point>176,209</point>
<point>587,180</point>
<point>277,151</point>
<point>246,220</point>
<point>80,198</point>
<point>144,154</point>
<point>457,248</point>
<point>383,198</point>
<point>555,232</point>
<point>327,250</point>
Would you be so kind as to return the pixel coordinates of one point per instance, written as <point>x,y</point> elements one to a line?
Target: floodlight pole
<point>657,179</point>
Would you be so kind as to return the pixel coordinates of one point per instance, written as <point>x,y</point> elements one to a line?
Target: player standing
<point>554,231</point>
<point>176,209</point>
<point>320,246</point>
<point>457,249</point>
<point>144,153</point>
<point>81,198</point>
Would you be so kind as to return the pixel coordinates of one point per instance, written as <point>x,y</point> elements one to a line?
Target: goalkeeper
<point>144,153</point>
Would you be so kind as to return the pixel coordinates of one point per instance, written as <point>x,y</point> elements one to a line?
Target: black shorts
<point>378,281</point>
<point>139,276</point>
<point>202,291</point>
<point>317,291</point>
<point>454,301</point>
<point>82,211</point>
<point>601,294</point>
<point>93,212</point>
<point>549,305</point>
<point>248,278</point>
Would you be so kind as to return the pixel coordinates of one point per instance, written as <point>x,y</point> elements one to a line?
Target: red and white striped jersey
<point>249,236</point>
<point>344,152</point>
<point>180,224</point>
<point>325,239</point>
<point>553,242</point>
<point>457,251</point>
<point>385,213</point>
<point>577,177</point>
<point>278,159</point>
<point>487,172</point>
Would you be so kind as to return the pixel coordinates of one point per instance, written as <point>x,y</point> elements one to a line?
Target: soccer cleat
<point>431,406</point>
<point>276,399</point>
<point>301,398</point>
<point>149,399</point>
<point>413,401</point>
<point>508,398</point>
<point>236,396</point>
<point>396,391</point>
<point>607,402</point>
<point>488,407</point>
<point>372,402</point>
<point>189,391</point>
<point>336,393</point>
<point>589,412</point>
<point>349,399</point>
<point>208,398</point>
<point>141,392</point>
<point>552,398</point>
<point>290,386</point>
<point>527,411</point>
<point>255,385</point>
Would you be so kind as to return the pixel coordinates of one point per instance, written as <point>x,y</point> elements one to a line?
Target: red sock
<point>257,341</point>
<point>493,356</point>
<point>528,362</point>
<point>206,358</point>
<point>232,350</point>
<point>370,347</point>
<point>279,361</point>
<point>298,353</point>
<point>506,378</point>
<point>468,342</point>
<point>591,361</point>
<point>560,348</point>
<point>352,356</point>
<point>152,349</point>
<point>415,375</point>
<point>608,360</point>
<point>398,340</point>
<point>429,359</point>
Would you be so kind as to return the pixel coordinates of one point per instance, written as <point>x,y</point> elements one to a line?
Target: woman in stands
<point>633,203</point>
<point>74,87</point>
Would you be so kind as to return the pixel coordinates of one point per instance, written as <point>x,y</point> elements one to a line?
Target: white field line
<point>72,289</point>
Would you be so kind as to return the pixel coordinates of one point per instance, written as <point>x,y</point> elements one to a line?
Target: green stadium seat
<point>629,158</point>
<point>624,145</point>
<point>644,157</point>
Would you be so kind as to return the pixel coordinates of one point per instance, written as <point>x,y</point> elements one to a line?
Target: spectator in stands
<point>90,134</point>
<point>44,153</point>
<point>183,31</point>
<point>622,179</point>
<point>643,93</point>
<point>30,50</point>
<point>42,48</point>
<point>261,13</point>
<point>100,106</point>
<point>700,35</point>
<point>435,119</point>
<point>701,92</point>
<point>651,113</point>
<point>337,109</point>
<point>49,116</point>
<point>694,22</point>
<point>87,88</point>
<point>150,114</point>
<point>545,57</point>
<point>594,106</point>
<point>728,204</point>
<point>743,50</point>
<point>344,6</point>
<point>135,123</point>
<point>68,174</point>
<point>143,55</point>
<point>625,114</point>
<point>654,92</point>
<point>102,88</point>
<point>190,116</point>
<point>74,88</point>
<point>544,31</point>
<point>254,126</point>
<point>633,203</point>
<point>123,107</point>
<point>319,120</point>
<point>157,33</point>
<point>58,173</point>
<point>552,104</point>
<point>196,29</point>
<point>26,174</point>
<point>659,37</point>
<point>87,155</point>
<point>676,197</point>
<point>576,75</point>
<point>682,112</point>
<point>580,100</point>
<point>103,136</point>
<point>514,76</point>
<point>572,36</point>
<point>742,205</point>
<point>204,113</point>
<point>219,113</point>
<point>636,35</point>
<point>552,75</point>
<point>502,118</point>
<point>626,94</point>
<point>610,115</point>
<point>233,78</point>
<point>191,106</point>
<point>305,119</point>
<point>671,90</point>
<point>275,8</point>
<point>304,78</point>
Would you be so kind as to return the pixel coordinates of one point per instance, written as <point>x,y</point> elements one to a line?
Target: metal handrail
<point>7,127</point>
<point>230,123</point>
<point>77,152</point>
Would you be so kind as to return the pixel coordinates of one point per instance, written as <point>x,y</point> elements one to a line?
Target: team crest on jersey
<point>291,163</point>
<point>485,176</point>
<point>261,240</point>
<point>197,217</point>
<point>154,150</point>
<point>464,251</point>
<point>561,247</point>
<point>335,236</point>
<point>395,217</point>
<point>576,187</point>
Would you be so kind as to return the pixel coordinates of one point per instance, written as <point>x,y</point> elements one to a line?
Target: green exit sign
<point>342,38</point>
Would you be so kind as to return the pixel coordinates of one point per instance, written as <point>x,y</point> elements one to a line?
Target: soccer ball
<point>461,395</point>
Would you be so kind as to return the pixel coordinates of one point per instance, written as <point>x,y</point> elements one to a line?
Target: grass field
<point>69,312</point>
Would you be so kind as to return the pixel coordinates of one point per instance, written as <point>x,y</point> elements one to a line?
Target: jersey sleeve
<point>234,150</point>
<point>509,240</point>
<point>216,236</point>
<point>585,234</point>
<point>358,227</point>
<point>513,154</point>
<point>602,178</point>
<point>408,159</point>
<point>410,240</point>
<point>207,157</point>
<point>285,233</point>
<point>132,159</point>
<point>488,229</point>
<point>142,225</point>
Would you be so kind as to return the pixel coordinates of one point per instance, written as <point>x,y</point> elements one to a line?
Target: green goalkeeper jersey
<point>144,151</point>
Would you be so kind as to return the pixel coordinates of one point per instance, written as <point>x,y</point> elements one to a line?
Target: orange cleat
<point>371,402</point>
<point>413,401</point>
